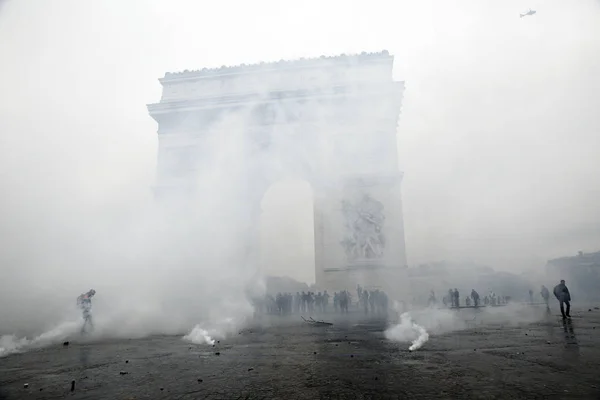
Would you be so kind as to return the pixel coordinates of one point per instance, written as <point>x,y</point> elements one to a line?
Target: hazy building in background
<point>330,121</point>
<point>582,273</point>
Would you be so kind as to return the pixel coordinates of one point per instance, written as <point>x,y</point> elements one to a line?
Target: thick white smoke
<point>199,336</point>
<point>10,344</point>
<point>408,330</point>
<point>419,325</point>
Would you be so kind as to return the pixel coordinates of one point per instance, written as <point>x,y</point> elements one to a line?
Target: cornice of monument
<point>281,65</point>
<point>275,96</point>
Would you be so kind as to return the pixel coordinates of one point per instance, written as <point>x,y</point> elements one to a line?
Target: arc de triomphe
<point>331,121</point>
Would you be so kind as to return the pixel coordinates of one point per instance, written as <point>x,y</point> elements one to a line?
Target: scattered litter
<point>315,352</point>
<point>474,349</point>
<point>548,341</point>
<point>376,378</point>
<point>65,343</point>
<point>217,353</point>
<point>26,385</point>
<point>250,369</point>
<point>162,388</point>
<point>126,361</point>
<point>218,341</point>
<point>123,373</point>
<point>590,309</point>
<point>41,389</point>
<point>351,355</point>
<point>200,381</point>
<point>72,386</point>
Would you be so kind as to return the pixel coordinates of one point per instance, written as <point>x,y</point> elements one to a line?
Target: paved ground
<point>345,361</point>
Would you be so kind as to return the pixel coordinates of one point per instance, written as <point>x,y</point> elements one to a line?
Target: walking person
<point>561,292</point>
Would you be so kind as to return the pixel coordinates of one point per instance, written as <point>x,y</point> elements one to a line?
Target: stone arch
<point>330,121</point>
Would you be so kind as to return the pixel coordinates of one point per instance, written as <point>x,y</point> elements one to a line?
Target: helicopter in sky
<point>530,12</point>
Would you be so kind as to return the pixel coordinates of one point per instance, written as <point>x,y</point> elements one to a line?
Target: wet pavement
<point>350,360</point>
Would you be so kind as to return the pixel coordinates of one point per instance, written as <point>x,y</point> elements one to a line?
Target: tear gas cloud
<point>498,141</point>
<point>417,325</point>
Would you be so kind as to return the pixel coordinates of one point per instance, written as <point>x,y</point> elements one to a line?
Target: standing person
<point>456,298</point>
<point>564,297</point>
<point>84,301</point>
<point>336,301</point>
<point>451,297</point>
<point>546,296</point>
<point>365,301</point>
<point>325,301</point>
<point>475,297</point>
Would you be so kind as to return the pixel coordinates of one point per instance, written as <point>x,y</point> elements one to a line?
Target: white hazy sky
<point>499,135</point>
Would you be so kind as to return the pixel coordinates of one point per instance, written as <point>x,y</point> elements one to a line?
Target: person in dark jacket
<point>561,292</point>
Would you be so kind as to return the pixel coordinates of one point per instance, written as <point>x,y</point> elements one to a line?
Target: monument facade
<point>331,121</point>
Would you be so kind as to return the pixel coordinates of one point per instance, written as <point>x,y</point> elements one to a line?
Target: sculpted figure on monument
<point>364,222</point>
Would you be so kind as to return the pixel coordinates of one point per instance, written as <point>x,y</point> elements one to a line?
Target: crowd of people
<point>452,299</point>
<point>371,301</point>
<point>310,303</point>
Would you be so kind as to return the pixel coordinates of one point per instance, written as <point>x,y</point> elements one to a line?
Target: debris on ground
<point>26,385</point>
<point>126,361</point>
<point>123,373</point>
<point>250,369</point>
<point>65,343</point>
<point>217,353</point>
<point>72,386</point>
<point>316,323</point>
<point>200,381</point>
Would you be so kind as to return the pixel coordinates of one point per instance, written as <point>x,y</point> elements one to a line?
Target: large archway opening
<point>287,241</point>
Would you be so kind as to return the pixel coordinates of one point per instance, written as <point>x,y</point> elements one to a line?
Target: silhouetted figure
<point>336,301</point>
<point>325,301</point>
<point>546,296</point>
<point>311,302</point>
<point>365,301</point>
<point>475,297</point>
<point>84,301</point>
<point>372,298</point>
<point>344,298</point>
<point>564,297</point>
<point>304,302</point>
<point>456,298</point>
<point>451,297</point>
